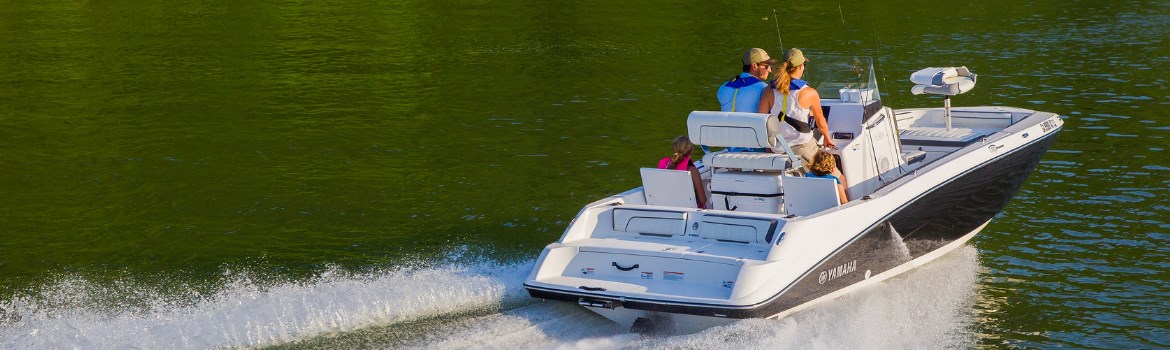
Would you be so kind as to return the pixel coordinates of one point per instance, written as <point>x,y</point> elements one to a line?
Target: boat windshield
<point>848,78</point>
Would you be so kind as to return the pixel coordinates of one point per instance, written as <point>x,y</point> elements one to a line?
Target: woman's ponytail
<point>783,77</point>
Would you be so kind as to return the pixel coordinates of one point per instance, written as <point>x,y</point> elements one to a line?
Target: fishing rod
<point>842,14</point>
<point>845,28</point>
<point>864,99</point>
<point>776,21</point>
<point>877,47</point>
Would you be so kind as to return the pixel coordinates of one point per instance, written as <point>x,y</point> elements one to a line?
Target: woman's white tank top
<point>794,111</point>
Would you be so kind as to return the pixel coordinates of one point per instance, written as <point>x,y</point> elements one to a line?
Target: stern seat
<point>748,161</point>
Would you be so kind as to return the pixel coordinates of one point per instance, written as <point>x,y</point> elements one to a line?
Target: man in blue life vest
<point>742,93</point>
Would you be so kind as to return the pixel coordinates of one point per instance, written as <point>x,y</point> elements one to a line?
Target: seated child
<point>825,165</point>
<point>681,160</point>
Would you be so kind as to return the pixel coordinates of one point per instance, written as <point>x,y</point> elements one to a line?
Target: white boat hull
<point>922,182</point>
<point>683,323</point>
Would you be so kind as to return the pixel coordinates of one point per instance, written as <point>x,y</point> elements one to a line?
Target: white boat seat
<point>732,129</point>
<point>948,81</point>
<point>928,136</point>
<point>747,161</point>
<point>729,229</point>
<point>650,222</point>
<point>672,188</point>
<point>809,195</point>
<point>937,133</point>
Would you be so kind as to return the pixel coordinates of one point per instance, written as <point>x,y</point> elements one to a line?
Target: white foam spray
<point>247,314</point>
<point>926,308</point>
<point>897,237</point>
<point>436,308</point>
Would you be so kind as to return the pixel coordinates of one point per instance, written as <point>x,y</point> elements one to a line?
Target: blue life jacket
<point>796,84</point>
<point>741,94</point>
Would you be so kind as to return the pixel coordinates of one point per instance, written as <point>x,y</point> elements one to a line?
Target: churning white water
<point>75,313</point>
<point>477,305</point>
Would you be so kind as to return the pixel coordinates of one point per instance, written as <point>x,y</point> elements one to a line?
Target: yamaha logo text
<point>833,273</point>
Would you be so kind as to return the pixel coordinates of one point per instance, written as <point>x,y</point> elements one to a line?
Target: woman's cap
<point>757,55</point>
<point>795,57</point>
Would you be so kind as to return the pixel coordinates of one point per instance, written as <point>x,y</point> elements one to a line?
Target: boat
<point>921,182</point>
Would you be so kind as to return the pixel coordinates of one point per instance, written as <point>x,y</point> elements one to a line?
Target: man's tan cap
<point>757,55</point>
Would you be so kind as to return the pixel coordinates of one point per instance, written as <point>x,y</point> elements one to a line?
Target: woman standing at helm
<point>794,98</point>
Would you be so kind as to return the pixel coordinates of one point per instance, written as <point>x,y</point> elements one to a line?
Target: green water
<point>165,144</point>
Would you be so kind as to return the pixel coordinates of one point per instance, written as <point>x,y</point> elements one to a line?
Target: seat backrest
<point>736,229</point>
<point>809,195</point>
<point>668,187</point>
<point>650,222</point>
<point>732,129</point>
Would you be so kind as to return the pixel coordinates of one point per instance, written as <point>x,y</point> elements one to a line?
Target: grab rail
<point>619,267</point>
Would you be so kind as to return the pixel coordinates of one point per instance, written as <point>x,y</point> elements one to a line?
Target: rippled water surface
<point>202,174</point>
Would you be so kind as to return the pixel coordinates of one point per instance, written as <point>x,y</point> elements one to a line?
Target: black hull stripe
<point>1048,138</point>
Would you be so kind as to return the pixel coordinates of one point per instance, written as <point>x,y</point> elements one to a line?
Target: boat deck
<point>924,129</point>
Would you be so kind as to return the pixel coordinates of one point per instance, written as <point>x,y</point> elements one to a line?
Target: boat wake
<point>75,313</point>
<point>470,305</point>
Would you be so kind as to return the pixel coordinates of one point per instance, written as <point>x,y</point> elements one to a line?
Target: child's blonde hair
<point>823,163</point>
